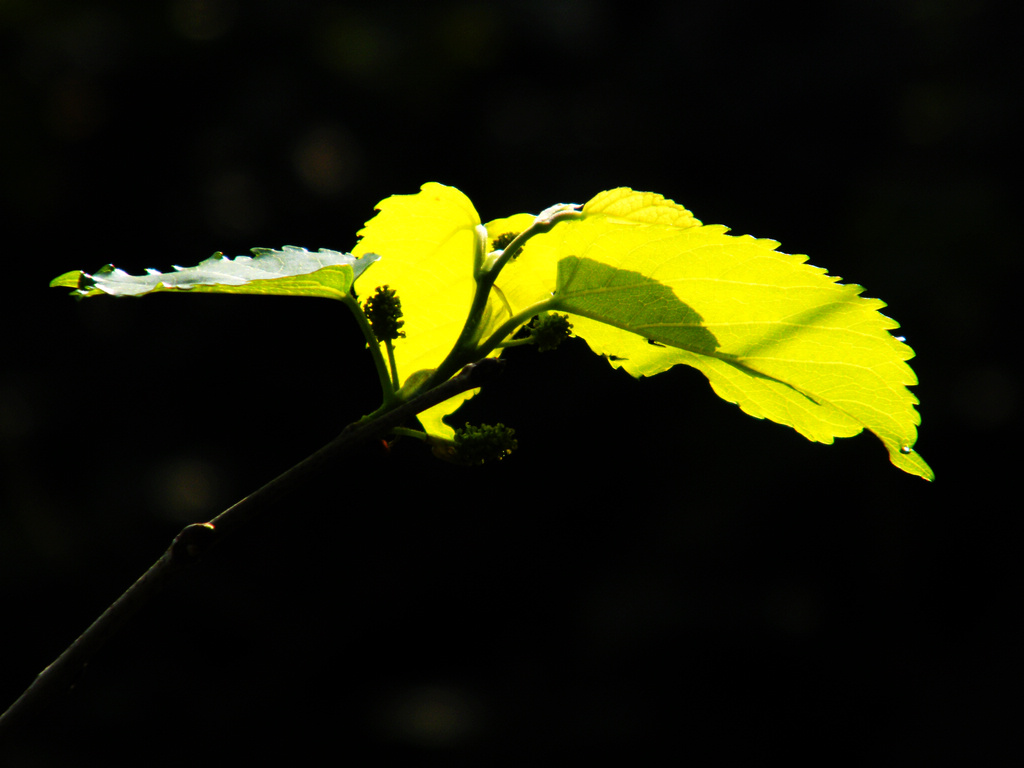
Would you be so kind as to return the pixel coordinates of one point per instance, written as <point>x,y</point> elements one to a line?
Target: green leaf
<point>645,283</point>
<point>289,272</point>
<point>777,336</point>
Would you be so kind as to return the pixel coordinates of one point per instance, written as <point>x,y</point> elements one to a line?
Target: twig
<point>195,540</point>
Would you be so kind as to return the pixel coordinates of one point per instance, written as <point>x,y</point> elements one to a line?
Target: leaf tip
<point>910,461</point>
<point>67,280</point>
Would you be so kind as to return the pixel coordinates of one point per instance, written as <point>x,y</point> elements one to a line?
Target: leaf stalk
<point>466,349</point>
<point>388,381</point>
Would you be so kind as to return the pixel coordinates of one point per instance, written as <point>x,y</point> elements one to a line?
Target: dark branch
<point>195,540</point>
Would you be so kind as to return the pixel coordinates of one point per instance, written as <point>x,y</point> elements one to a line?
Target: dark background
<point>652,568</point>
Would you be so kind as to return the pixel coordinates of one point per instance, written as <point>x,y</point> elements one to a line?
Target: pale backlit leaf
<point>289,272</point>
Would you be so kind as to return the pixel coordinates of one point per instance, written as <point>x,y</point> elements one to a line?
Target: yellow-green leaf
<point>650,289</point>
<point>427,243</point>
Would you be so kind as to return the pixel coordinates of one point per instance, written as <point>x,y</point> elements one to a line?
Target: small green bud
<point>549,330</point>
<point>384,310</point>
<point>504,240</point>
<point>477,444</point>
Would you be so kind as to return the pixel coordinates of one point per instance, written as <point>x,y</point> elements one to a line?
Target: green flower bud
<point>549,330</point>
<point>478,444</point>
<point>384,310</point>
<point>504,240</point>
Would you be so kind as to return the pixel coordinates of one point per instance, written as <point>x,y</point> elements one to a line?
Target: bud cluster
<point>487,442</point>
<point>504,240</point>
<point>384,311</point>
<point>549,330</point>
